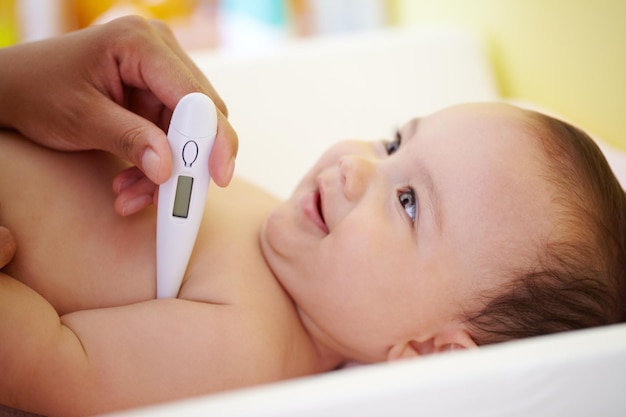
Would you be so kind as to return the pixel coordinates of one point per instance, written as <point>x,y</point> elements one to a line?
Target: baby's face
<point>390,241</point>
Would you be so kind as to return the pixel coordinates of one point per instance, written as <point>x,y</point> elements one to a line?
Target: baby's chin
<point>266,248</point>
<point>274,235</point>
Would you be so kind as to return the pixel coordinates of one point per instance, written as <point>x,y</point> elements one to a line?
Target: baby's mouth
<point>320,208</point>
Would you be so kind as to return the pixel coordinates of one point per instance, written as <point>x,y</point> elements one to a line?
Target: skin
<point>274,289</point>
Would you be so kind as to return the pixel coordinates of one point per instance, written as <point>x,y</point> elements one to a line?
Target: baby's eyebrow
<point>409,129</point>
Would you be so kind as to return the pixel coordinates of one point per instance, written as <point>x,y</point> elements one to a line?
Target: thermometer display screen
<point>183,196</point>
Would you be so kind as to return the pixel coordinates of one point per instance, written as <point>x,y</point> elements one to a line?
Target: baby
<point>477,224</point>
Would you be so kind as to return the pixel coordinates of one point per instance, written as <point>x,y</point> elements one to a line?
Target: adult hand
<point>111,87</point>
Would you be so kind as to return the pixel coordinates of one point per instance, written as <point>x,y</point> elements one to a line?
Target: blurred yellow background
<point>88,10</point>
<point>566,55</point>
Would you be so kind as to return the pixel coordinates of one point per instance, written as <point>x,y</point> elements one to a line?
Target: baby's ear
<point>444,341</point>
<point>405,350</point>
<point>453,339</point>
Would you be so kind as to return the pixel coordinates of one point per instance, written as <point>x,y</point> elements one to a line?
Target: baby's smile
<point>313,209</point>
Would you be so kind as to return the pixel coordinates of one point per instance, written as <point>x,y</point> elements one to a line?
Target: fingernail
<point>151,163</point>
<point>136,204</point>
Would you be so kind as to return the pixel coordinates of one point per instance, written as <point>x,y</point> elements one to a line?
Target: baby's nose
<point>356,172</point>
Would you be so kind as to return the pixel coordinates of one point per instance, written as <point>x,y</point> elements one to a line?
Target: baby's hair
<point>579,280</point>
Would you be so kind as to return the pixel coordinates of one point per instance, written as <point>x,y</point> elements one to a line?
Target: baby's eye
<point>394,145</point>
<point>409,202</point>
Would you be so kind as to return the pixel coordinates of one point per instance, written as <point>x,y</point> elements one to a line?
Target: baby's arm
<point>35,346</point>
<point>95,361</point>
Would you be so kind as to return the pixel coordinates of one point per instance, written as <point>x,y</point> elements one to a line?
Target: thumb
<point>138,141</point>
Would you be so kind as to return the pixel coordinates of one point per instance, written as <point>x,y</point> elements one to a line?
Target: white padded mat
<point>575,374</point>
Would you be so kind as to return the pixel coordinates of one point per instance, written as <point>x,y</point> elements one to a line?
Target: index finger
<point>163,67</point>
<point>146,56</point>
<point>206,87</point>
<point>224,153</point>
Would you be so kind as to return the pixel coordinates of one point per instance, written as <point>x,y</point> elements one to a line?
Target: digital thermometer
<point>182,197</point>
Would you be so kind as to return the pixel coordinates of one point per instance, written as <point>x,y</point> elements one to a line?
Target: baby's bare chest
<point>79,254</point>
<point>93,260</point>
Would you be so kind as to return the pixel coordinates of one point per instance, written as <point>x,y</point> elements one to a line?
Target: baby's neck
<point>228,268</point>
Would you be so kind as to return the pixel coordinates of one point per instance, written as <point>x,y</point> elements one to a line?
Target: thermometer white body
<point>182,198</point>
